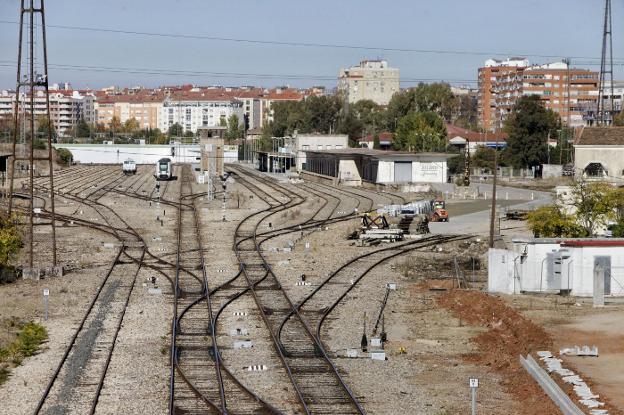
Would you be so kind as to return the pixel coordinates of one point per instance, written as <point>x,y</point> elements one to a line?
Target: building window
<point>305,147</point>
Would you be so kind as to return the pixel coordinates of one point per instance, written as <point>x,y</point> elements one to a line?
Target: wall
<point>611,157</point>
<point>349,174</point>
<point>141,154</point>
<point>385,172</point>
<point>429,171</point>
<point>313,141</point>
<point>526,268</point>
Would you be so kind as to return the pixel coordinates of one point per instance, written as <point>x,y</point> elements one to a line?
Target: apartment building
<point>570,92</point>
<point>144,107</point>
<point>197,108</point>
<point>500,86</point>
<point>67,107</point>
<point>372,79</point>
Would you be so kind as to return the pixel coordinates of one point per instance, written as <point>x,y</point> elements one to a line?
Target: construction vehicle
<point>438,211</point>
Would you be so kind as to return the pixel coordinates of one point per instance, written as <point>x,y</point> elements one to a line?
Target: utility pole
<point>606,68</point>
<point>31,83</point>
<point>495,171</point>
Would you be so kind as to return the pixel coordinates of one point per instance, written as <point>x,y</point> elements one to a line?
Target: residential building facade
<point>570,92</point>
<point>201,108</point>
<point>67,107</point>
<point>372,79</point>
<point>144,108</point>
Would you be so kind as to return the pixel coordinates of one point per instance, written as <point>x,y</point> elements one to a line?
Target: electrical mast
<point>30,85</point>
<point>606,109</point>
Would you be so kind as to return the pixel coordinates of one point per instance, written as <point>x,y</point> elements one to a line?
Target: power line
<point>192,73</point>
<point>306,44</point>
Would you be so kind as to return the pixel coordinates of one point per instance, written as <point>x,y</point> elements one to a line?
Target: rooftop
<point>380,154</point>
<point>602,136</point>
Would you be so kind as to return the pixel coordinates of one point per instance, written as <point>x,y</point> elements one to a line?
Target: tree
<point>131,125</point>
<point>83,129</point>
<point>235,130</point>
<point>435,97</point>
<point>551,222</point>
<point>44,126</point>
<point>370,114</point>
<point>350,125</point>
<point>618,119</point>
<point>528,126</point>
<point>376,144</point>
<point>420,131</point>
<point>176,130</point>
<point>115,125</point>
<point>593,204</point>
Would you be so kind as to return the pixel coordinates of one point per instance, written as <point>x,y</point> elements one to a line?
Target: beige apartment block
<point>372,79</point>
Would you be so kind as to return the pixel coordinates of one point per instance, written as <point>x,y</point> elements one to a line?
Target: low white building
<point>355,165</point>
<point>141,154</point>
<point>557,266</point>
<point>299,144</point>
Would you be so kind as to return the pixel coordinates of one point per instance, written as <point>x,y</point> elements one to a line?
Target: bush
<point>29,338</point>
<point>64,157</point>
<point>10,240</point>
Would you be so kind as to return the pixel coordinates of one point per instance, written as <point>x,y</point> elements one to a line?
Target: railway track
<point>318,385</point>
<point>198,382</point>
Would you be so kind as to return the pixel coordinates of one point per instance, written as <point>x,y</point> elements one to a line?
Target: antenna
<point>605,112</point>
<point>31,84</point>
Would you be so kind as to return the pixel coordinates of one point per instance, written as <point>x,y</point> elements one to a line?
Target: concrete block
<point>352,353</point>
<point>56,271</point>
<point>243,344</point>
<point>375,342</point>
<point>239,332</point>
<point>378,355</point>
<point>154,291</point>
<point>31,274</point>
<point>108,245</point>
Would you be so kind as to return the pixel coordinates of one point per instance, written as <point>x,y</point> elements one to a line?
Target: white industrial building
<point>141,154</point>
<point>356,165</point>
<point>548,265</point>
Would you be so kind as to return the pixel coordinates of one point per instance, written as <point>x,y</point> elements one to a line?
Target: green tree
<point>435,97</point>
<point>528,126</point>
<point>551,222</point>
<point>376,144</point>
<point>594,205</point>
<point>176,130</point>
<point>370,114</point>
<point>83,129</point>
<point>235,130</point>
<point>350,125</point>
<point>43,127</point>
<point>420,131</point>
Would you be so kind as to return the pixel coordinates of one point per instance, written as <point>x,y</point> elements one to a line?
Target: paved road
<point>478,223</point>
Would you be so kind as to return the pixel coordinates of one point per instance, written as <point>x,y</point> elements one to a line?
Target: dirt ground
<point>575,322</point>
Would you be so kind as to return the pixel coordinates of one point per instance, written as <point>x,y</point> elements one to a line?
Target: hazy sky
<point>557,28</point>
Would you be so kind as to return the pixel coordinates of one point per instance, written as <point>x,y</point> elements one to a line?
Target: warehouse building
<point>356,165</point>
<point>566,266</point>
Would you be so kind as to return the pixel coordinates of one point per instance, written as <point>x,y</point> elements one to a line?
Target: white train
<point>164,169</point>
<point>129,167</point>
